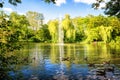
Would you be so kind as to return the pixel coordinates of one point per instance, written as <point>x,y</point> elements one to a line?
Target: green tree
<point>69,30</point>
<point>93,35</point>
<point>42,35</point>
<point>96,21</point>
<point>79,27</point>
<point>35,19</point>
<point>53,29</point>
<point>112,7</point>
<point>106,33</point>
<point>115,23</point>
<point>19,24</point>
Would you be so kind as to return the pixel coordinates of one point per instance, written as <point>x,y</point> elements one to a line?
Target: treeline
<point>30,27</point>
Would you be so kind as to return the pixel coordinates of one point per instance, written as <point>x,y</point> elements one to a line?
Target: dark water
<point>66,62</point>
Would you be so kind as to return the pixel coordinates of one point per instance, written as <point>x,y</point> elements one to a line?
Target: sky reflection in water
<point>46,62</point>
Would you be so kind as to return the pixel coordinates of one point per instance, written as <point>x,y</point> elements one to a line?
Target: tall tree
<point>20,23</point>
<point>35,19</point>
<point>12,30</point>
<point>53,29</point>
<point>69,29</point>
<point>106,33</point>
<point>79,27</point>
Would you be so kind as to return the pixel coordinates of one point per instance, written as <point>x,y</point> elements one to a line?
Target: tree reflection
<point>59,62</point>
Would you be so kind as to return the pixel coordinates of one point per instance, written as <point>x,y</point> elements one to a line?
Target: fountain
<point>60,73</point>
<point>60,34</point>
<point>60,42</point>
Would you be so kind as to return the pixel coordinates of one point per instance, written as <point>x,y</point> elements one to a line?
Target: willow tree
<point>79,24</point>
<point>115,23</point>
<point>53,29</point>
<point>93,35</point>
<point>106,33</point>
<point>69,30</point>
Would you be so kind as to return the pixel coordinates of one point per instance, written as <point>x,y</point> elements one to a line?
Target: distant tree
<point>42,35</point>
<point>35,19</point>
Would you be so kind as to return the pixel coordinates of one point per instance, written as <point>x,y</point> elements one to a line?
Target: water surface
<point>39,61</point>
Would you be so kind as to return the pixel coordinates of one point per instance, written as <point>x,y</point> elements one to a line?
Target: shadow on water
<point>68,62</point>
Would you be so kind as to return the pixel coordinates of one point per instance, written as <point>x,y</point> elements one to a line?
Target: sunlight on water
<point>66,62</point>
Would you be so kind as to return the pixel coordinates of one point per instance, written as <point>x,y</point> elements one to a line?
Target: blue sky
<point>74,8</point>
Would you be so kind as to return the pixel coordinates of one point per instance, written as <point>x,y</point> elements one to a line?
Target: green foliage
<point>115,23</point>
<point>96,21</point>
<point>13,2</point>
<point>79,27</point>
<point>35,19</point>
<point>93,35</point>
<point>5,65</point>
<point>1,5</point>
<point>42,35</point>
<point>49,1</point>
<point>69,30</point>
<point>12,30</point>
<point>112,7</point>
<point>91,28</point>
<point>117,39</point>
<point>105,33</point>
<point>53,29</point>
<point>30,33</point>
<point>19,24</point>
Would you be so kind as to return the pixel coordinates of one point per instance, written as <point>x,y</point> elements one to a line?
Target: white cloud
<point>9,10</point>
<point>85,1</point>
<point>59,2</point>
<point>102,5</point>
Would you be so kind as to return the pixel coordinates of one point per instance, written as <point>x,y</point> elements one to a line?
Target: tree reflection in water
<point>45,62</point>
<point>60,73</point>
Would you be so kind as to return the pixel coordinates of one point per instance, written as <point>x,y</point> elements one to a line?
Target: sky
<point>74,8</point>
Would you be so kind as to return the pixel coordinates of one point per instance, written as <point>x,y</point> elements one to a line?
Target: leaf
<point>53,1</point>
<point>1,5</point>
<point>18,1</point>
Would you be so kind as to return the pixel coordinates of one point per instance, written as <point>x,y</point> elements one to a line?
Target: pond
<point>39,61</point>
